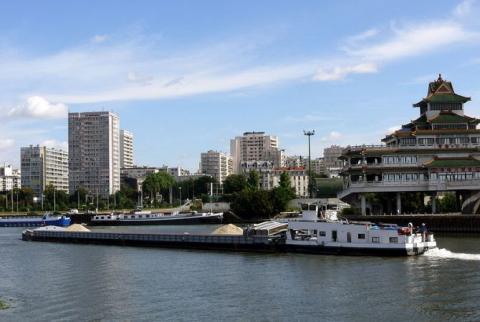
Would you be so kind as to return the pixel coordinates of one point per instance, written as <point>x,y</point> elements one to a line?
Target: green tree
<point>253,180</point>
<point>282,194</point>
<point>157,183</point>
<point>234,183</point>
<point>253,204</point>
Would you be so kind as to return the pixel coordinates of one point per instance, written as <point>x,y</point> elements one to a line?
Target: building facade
<point>94,152</point>
<point>9,178</point>
<point>216,164</point>
<point>437,152</point>
<point>255,146</point>
<point>42,166</point>
<point>298,179</point>
<point>126,149</point>
<point>332,162</point>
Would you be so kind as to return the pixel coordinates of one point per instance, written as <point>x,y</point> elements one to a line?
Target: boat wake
<point>446,254</point>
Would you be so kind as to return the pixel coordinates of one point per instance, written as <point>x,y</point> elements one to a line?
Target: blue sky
<point>187,76</point>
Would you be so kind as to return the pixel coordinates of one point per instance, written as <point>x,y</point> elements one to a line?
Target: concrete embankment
<point>435,223</point>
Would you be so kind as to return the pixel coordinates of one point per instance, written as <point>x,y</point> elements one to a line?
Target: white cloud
<point>464,8</point>
<point>39,107</point>
<point>6,143</point>
<point>414,40</point>
<point>137,69</point>
<point>332,137</point>
<point>99,38</point>
<point>393,129</point>
<point>367,34</point>
<point>339,72</point>
<point>51,143</point>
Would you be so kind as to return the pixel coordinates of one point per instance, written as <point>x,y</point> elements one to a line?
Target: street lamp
<point>180,188</point>
<point>309,134</point>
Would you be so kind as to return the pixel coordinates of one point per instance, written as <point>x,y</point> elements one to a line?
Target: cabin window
<point>148,216</point>
<point>394,240</point>
<point>102,217</point>
<point>349,237</point>
<point>139,216</point>
<point>132,217</point>
<point>376,240</point>
<point>334,235</point>
<point>322,234</point>
<point>361,236</point>
<point>109,217</point>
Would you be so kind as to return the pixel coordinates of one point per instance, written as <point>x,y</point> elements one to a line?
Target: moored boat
<point>312,234</point>
<point>149,218</point>
<point>46,220</point>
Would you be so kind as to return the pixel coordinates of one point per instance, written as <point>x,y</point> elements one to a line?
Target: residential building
<point>178,171</point>
<point>94,152</point>
<point>9,178</point>
<point>435,153</point>
<point>216,164</point>
<point>298,179</point>
<point>126,149</point>
<point>42,166</point>
<point>332,163</point>
<point>255,146</point>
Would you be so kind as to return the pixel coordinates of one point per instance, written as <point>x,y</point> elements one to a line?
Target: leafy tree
<point>156,183</point>
<point>253,204</point>
<point>282,194</point>
<point>253,180</point>
<point>234,183</point>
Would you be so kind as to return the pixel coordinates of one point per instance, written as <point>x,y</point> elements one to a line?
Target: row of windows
<point>402,177</point>
<point>404,159</point>
<point>445,106</point>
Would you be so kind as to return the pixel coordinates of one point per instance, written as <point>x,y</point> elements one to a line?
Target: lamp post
<point>180,189</point>
<point>309,134</point>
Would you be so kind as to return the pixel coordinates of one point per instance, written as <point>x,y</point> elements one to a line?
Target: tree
<point>253,204</point>
<point>253,180</point>
<point>156,183</point>
<point>234,183</point>
<point>282,194</point>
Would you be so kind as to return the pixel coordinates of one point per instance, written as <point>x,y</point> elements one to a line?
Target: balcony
<point>409,186</point>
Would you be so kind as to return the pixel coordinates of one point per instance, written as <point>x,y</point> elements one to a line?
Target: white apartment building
<point>42,166</point>
<point>298,179</point>
<point>216,164</point>
<point>9,178</point>
<point>255,146</point>
<point>126,149</point>
<point>94,152</point>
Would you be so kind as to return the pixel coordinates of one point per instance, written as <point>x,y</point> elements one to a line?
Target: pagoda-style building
<point>437,152</point>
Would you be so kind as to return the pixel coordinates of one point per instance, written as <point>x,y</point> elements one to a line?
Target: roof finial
<point>440,78</point>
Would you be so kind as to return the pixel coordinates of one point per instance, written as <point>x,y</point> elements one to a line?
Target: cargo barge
<point>38,221</point>
<point>307,234</point>
<point>184,241</point>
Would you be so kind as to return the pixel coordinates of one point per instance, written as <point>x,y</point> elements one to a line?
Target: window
<point>322,234</point>
<point>361,236</point>
<point>376,240</point>
<point>334,235</point>
<point>393,240</point>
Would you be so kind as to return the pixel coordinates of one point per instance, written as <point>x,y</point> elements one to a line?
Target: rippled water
<point>58,282</point>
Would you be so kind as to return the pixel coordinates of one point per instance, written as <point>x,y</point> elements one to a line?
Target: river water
<point>67,282</point>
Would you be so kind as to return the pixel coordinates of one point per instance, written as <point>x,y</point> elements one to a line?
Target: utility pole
<point>78,199</point>
<point>309,134</point>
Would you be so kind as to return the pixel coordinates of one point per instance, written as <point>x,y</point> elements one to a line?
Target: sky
<point>187,76</point>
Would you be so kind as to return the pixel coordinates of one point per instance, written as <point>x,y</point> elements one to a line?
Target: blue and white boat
<point>46,220</point>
